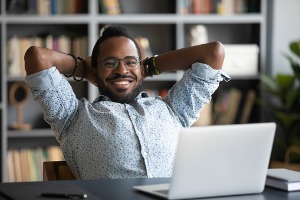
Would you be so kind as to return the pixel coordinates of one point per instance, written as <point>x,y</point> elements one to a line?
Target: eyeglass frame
<point>138,64</point>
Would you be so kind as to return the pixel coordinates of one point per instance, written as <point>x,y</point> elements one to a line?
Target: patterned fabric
<point>105,139</point>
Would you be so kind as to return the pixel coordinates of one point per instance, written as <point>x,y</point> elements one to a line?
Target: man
<point>123,133</point>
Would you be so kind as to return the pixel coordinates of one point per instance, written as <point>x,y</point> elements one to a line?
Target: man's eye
<point>109,63</point>
<point>131,62</point>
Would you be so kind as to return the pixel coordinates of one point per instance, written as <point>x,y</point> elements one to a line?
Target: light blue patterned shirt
<point>105,139</point>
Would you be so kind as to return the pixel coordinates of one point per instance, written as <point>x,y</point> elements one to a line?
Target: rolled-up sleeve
<point>187,97</point>
<point>44,80</point>
<point>55,96</point>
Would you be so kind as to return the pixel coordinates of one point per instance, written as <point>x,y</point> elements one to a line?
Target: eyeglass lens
<point>112,62</point>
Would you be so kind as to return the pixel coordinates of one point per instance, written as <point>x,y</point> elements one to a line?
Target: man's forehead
<point>118,45</point>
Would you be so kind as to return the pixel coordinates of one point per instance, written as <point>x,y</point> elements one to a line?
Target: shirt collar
<point>105,98</point>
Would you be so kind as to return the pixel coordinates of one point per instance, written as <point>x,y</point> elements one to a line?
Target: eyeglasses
<point>110,63</point>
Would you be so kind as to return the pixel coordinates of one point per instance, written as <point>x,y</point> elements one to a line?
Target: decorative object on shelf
<point>144,45</point>
<point>198,35</point>
<point>241,59</point>
<point>18,97</point>
<point>284,104</point>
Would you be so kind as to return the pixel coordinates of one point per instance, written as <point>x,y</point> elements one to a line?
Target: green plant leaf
<point>295,47</point>
<point>294,65</point>
<point>293,99</point>
<point>284,101</point>
<point>269,84</point>
<point>285,82</point>
<point>287,119</point>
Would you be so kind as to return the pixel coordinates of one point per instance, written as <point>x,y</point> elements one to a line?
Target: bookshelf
<point>166,27</point>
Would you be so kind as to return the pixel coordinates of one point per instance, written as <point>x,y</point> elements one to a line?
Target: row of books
<point>46,7</point>
<point>56,7</point>
<point>229,108</point>
<point>27,164</point>
<point>232,107</point>
<point>284,179</point>
<point>17,46</point>
<point>219,6</point>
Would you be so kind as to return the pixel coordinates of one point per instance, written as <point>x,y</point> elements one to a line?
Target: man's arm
<point>211,54</point>
<point>38,59</point>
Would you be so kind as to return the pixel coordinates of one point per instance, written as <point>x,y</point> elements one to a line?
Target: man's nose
<point>121,68</point>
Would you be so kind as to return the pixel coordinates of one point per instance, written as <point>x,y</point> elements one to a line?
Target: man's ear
<point>94,76</point>
<point>143,70</point>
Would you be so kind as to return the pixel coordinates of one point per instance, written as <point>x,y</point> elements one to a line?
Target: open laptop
<point>218,160</point>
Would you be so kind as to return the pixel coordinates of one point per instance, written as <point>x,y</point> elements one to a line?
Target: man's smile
<point>121,83</point>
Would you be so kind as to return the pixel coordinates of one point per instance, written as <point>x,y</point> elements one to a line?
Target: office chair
<point>57,170</point>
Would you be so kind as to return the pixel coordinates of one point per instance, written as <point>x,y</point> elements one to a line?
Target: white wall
<point>286,28</point>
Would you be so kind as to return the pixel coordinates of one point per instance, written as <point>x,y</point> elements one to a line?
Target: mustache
<point>116,76</point>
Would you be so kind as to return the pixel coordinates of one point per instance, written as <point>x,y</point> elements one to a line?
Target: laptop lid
<point>220,160</point>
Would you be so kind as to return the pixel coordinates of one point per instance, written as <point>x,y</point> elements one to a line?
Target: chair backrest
<point>57,170</point>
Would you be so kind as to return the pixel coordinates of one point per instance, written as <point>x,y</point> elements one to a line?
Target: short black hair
<point>109,32</point>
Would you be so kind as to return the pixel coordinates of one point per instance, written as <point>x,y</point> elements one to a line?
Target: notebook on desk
<point>218,160</point>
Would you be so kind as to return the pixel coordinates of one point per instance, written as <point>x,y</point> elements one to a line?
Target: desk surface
<point>116,189</point>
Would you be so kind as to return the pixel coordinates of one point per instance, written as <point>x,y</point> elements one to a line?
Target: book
<point>283,179</point>
<point>111,7</point>
<point>201,6</point>
<point>227,106</point>
<point>26,164</point>
<point>10,165</point>
<point>248,106</point>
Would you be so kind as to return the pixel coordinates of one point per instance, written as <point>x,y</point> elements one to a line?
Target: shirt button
<point>145,154</point>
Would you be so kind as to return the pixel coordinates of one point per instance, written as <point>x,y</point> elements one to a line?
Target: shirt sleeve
<point>189,95</point>
<point>55,96</point>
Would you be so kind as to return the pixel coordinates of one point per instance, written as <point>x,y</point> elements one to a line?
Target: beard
<point>104,90</point>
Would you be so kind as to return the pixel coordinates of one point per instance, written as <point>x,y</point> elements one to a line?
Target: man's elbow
<point>217,56</point>
<point>31,58</point>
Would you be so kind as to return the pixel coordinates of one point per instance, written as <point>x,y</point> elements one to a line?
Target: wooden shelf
<point>30,134</point>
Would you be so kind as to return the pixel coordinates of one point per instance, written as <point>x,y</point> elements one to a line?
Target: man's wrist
<point>79,63</point>
<point>150,66</point>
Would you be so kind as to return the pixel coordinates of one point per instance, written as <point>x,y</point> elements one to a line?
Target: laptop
<point>219,160</point>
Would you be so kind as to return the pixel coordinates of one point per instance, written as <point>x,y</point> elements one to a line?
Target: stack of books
<point>283,179</point>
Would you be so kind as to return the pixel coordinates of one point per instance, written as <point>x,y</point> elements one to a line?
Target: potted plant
<point>283,101</point>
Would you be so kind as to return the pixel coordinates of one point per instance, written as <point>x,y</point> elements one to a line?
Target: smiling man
<point>119,79</point>
<point>123,133</point>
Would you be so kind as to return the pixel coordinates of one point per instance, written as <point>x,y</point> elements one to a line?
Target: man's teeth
<point>121,82</point>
